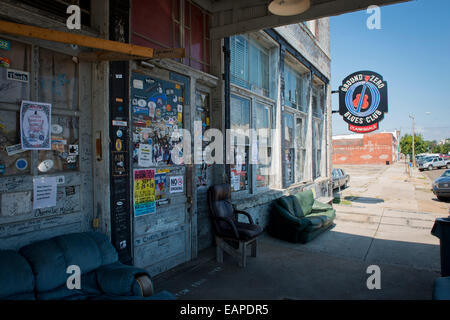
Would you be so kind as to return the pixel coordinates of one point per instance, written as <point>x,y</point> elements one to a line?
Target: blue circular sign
<point>21,164</point>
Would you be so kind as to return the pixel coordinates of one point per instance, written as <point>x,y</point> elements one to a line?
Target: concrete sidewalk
<point>381,223</point>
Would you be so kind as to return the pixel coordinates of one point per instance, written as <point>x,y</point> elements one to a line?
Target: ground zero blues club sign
<point>363,101</point>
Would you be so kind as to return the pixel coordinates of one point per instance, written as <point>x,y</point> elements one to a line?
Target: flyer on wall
<point>144,192</point>
<point>35,125</point>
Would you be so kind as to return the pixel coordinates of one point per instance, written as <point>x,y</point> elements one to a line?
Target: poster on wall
<point>144,192</point>
<point>176,184</point>
<point>35,125</point>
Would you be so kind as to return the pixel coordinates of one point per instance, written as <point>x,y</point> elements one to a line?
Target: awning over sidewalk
<point>242,16</point>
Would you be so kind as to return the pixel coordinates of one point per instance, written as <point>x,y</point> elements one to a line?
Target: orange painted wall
<point>373,148</point>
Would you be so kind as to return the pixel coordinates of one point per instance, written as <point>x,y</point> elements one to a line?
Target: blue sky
<point>412,53</point>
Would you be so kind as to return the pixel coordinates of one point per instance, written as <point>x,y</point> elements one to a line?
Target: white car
<point>431,163</point>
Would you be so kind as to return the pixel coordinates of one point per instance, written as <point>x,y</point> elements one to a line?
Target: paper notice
<point>44,192</point>
<point>145,155</point>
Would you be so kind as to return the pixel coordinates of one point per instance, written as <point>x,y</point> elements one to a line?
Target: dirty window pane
<point>240,120</point>
<point>288,130</point>
<point>293,88</point>
<point>64,155</point>
<point>12,160</point>
<point>317,103</point>
<point>300,145</point>
<point>263,127</point>
<point>17,58</point>
<point>317,146</point>
<point>58,80</point>
<point>289,148</point>
<point>300,132</point>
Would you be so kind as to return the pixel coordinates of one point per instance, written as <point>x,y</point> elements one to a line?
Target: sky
<point>412,53</point>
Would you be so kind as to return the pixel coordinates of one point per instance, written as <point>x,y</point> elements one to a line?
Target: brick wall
<point>373,148</point>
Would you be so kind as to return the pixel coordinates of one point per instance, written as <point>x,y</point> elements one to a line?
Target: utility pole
<point>413,147</point>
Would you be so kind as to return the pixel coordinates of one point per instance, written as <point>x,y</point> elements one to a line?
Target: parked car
<point>441,186</point>
<point>430,163</point>
<point>340,178</point>
<point>420,158</point>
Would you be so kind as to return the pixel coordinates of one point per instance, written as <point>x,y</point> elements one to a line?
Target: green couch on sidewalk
<point>299,217</point>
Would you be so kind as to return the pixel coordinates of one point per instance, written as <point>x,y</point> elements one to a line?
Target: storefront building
<point>377,148</point>
<point>118,149</point>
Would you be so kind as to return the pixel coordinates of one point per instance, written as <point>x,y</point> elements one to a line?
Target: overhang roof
<point>232,17</point>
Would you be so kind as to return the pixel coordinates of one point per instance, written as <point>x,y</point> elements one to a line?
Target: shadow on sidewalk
<point>364,200</point>
<point>321,269</point>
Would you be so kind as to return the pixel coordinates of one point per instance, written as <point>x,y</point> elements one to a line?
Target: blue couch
<point>441,288</point>
<point>39,271</point>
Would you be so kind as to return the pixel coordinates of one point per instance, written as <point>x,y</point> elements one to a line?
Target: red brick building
<point>371,148</point>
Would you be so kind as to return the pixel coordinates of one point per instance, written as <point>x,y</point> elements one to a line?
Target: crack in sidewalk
<point>374,235</point>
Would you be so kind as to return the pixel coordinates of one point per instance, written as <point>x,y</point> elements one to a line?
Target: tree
<point>444,148</point>
<point>420,145</point>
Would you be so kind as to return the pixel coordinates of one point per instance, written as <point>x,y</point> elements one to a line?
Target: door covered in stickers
<point>45,143</point>
<point>161,221</point>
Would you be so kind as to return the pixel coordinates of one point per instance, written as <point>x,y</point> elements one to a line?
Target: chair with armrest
<point>232,236</point>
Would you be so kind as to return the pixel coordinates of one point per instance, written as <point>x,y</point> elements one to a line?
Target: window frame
<point>249,178</point>
<point>265,44</point>
<point>253,99</point>
<point>299,112</point>
<point>318,88</point>
<point>272,49</point>
<point>296,115</point>
<point>34,92</point>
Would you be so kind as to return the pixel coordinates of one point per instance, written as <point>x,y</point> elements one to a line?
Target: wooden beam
<point>116,56</point>
<point>106,56</point>
<point>169,53</point>
<point>73,38</point>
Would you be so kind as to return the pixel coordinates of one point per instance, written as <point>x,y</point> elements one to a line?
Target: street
<point>433,174</point>
<point>384,219</point>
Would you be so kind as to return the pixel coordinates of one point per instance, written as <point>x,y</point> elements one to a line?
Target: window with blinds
<point>249,65</point>
<point>293,87</point>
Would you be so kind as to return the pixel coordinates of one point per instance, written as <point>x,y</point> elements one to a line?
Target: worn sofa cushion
<point>89,288</point>
<point>49,259</point>
<point>306,200</point>
<point>314,223</point>
<point>17,279</point>
<point>119,279</point>
<point>81,250</point>
<point>319,206</point>
<point>47,262</point>
<point>291,204</point>
<point>108,252</point>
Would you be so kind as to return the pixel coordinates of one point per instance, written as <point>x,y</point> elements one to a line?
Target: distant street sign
<point>363,101</point>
